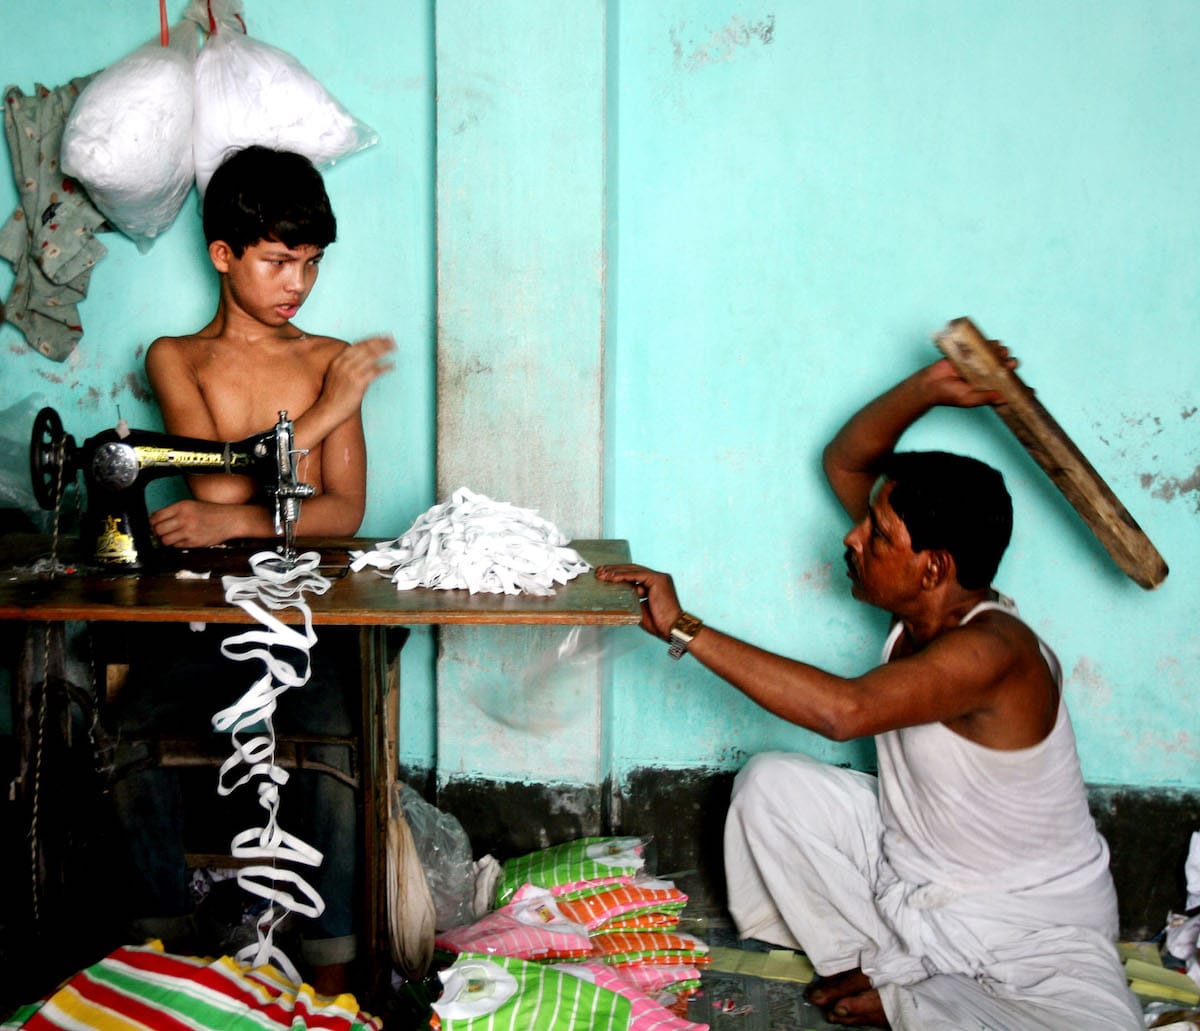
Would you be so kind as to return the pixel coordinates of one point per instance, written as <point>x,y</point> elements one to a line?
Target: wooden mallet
<point>979,363</point>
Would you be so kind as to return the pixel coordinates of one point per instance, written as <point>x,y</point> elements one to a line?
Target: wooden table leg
<point>380,651</point>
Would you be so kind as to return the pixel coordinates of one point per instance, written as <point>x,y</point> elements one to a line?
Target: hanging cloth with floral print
<point>49,240</point>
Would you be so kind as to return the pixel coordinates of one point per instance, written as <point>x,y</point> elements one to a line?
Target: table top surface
<point>362,598</point>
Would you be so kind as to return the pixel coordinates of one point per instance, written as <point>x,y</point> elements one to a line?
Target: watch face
<point>687,625</point>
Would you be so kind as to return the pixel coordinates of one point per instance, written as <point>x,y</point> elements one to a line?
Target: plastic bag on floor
<point>248,92</point>
<point>128,139</point>
<point>445,853</point>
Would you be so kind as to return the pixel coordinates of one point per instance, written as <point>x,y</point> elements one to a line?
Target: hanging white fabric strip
<point>274,585</point>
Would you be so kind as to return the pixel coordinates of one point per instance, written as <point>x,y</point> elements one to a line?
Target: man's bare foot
<point>848,998</point>
<point>825,991</point>
<point>862,1010</point>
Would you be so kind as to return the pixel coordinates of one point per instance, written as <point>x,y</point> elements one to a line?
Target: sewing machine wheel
<point>51,453</point>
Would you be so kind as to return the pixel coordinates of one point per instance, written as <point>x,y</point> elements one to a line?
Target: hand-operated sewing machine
<point>118,463</point>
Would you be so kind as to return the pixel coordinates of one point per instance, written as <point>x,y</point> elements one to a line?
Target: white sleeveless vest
<point>972,818</point>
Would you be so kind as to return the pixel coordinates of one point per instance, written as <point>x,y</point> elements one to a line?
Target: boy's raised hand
<point>352,371</point>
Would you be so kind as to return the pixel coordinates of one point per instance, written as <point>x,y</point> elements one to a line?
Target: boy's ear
<point>220,254</point>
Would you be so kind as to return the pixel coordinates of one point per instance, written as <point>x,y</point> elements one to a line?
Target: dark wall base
<point>683,811</point>
<point>1148,834</point>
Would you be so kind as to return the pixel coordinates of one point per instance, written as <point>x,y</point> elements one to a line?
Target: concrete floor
<point>737,1002</point>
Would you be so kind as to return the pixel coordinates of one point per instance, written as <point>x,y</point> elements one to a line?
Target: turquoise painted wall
<point>376,58</point>
<point>797,197</point>
<point>520,215</point>
<point>805,192</point>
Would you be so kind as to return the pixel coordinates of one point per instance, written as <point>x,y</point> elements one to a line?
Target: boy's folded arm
<point>204,524</point>
<point>337,510</point>
<point>330,515</point>
<point>345,384</point>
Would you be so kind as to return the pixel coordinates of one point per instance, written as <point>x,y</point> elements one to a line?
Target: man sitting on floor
<point>967,886</point>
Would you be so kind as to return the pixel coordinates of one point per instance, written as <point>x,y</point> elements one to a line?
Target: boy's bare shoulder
<point>319,350</point>
<point>180,345</point>
<point>324,344</point>
<point>167,352</point>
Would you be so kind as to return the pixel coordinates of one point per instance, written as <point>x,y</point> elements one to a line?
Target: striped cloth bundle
<point>641,903</point>
<point>140,987</point>
<point>499,993</point>
<point>590,906</point>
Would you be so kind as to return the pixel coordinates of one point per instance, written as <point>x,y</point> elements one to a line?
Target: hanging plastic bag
<point>128,139</point>
<point>248,92</point>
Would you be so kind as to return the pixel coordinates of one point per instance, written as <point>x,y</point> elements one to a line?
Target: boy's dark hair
<point>262,194</point>
<point>956,504</point>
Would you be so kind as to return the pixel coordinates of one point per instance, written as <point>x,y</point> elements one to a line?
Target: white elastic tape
<point>274,585</point>
<point>479,544</point>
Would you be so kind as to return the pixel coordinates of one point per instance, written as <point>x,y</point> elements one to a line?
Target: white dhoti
<point>806,870</point>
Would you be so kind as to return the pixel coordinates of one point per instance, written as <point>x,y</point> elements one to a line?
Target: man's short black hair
<point>262,194</point>
<point>956,504</point>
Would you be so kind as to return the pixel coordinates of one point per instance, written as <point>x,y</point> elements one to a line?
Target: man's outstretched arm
<point>947,680</point>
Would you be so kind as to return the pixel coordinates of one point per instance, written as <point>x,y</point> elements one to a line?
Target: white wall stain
<point>1086,675</point>
<point>818,578</point>
<point>723,44</point>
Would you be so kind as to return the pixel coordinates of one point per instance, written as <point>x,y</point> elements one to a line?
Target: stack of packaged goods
<point>587,910</point>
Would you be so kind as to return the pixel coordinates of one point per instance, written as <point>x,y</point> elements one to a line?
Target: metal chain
<point>43,702</point>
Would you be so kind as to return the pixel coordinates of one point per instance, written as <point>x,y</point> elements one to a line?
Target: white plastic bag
<point>128,139</point>
<point>248,92</point>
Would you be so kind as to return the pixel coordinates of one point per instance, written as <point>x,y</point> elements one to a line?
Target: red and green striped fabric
<point>619,948</point>
<point>610,902</point>
<point>136,988</point>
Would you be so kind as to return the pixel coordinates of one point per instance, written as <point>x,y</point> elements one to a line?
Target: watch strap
<point>685,627</point>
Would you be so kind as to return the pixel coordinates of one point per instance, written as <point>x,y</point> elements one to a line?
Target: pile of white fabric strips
<point>484,546</point>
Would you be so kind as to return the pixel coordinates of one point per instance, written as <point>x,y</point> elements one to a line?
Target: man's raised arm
<point>853,458</point>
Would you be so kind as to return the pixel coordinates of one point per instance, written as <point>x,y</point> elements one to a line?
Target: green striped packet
<point>499,993</point>
<point>586,859</point>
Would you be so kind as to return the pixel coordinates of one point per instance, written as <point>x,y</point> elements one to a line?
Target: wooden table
<point>364,599</point>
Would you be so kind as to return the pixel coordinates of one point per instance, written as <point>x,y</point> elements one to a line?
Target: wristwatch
<point>685,627</point>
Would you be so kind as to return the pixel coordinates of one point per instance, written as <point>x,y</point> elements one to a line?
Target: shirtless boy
<point>967,885</point>
<point>267,222</point>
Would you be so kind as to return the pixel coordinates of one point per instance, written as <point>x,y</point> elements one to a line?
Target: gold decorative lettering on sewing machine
<point>114,544</point>
<point>155,456</point>
<point>117,464</point>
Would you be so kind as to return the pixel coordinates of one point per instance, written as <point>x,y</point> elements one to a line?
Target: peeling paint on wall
<point>1167,488</point>
<point>135,385</point>
<point>722,45</point>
